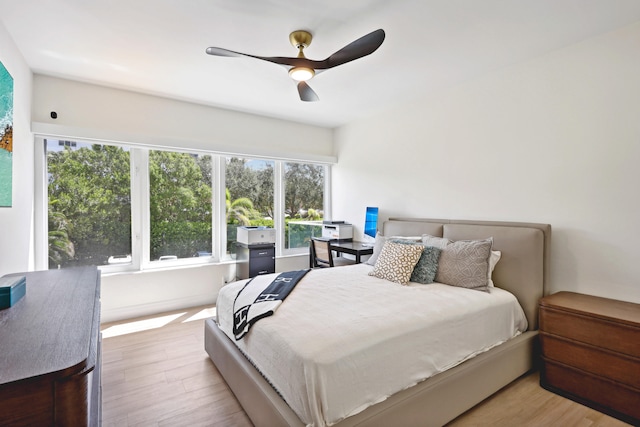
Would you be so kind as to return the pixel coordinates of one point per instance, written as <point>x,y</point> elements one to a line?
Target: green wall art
<point>6,136</point>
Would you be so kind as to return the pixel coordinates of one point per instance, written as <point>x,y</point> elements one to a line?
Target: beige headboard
<point>523,268</point>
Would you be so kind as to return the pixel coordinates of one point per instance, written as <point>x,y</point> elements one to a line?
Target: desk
<point>352,248</point>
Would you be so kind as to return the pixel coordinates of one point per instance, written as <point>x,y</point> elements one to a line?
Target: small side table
<point>591,352</point>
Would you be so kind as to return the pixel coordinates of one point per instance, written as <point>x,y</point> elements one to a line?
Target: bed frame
<point>523,270</point>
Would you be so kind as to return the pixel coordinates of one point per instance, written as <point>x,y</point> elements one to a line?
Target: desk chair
<point>322,255</point>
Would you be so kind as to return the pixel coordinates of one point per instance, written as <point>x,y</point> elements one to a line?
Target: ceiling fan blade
<point>364,46</point>
<point>218,51</point>
<point>280,60</point>
<point>306,93</point>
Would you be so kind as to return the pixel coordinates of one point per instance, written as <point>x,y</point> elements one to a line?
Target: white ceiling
<point>158,46</point>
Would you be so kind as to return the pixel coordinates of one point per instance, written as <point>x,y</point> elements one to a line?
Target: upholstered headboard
<point>523,268</point>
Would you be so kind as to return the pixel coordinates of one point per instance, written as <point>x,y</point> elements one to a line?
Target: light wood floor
<point>163,377</point>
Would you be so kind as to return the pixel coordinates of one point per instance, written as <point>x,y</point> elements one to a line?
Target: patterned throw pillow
<point>396,262</point>
<point>463,263</point>
<point>427,266</point>
<point>380,241</point>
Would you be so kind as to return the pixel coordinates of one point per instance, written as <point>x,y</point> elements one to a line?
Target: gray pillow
<point>463,263</point>
<point>427,266</point>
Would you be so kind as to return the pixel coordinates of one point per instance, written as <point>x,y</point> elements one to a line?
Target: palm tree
<point>60,246</point>
<point>239,210</point>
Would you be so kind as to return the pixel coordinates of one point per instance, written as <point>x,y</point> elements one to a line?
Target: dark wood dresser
<point>50,351</point>
<point>591,352</point>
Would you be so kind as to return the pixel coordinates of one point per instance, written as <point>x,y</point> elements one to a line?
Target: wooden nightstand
<point>591,352</point>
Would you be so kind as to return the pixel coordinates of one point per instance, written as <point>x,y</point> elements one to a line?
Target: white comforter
<point>343,340</point>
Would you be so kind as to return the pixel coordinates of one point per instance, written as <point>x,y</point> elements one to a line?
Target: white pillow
<point>493,260</point>
<point>380,241</point>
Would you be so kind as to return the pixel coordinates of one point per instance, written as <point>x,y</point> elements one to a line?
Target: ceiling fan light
<point>301,74</point>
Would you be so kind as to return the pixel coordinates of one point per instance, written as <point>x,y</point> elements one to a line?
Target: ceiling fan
<point>302,69</point>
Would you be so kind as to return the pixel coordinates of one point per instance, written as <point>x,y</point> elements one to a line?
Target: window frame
<point>140,202</point>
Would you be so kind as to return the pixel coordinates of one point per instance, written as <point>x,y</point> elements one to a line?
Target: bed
<point>522,271</point>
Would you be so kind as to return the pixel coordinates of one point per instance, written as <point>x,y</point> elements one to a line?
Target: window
<point>304,201</point>
<point>249,195</point>
<point>179,205</point>
<point>127,208</point>
<point>89,204</point>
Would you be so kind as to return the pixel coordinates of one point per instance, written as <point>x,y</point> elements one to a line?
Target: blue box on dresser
<point>12,288</point>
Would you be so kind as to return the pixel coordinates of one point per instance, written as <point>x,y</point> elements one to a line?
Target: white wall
<point>128,295</point>
<point>554,140</point>
<point>16,236</point>
<point>97,112</point>
<point>88,111</point>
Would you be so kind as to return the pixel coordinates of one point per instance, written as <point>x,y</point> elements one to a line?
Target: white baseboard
<point>130,312</point>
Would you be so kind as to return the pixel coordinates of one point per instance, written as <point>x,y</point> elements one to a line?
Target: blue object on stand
<point>12,288</point>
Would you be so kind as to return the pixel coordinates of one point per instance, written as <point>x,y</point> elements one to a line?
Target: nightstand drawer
<point>597,331</point>
<point>599,393</point>
<point>601,362</point>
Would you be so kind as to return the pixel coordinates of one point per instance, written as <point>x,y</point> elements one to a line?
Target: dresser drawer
<point>599,393</point>
<point>600,331</point>
<point>601,362</point>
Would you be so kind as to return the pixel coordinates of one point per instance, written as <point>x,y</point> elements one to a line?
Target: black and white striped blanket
<point>260,297</point>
